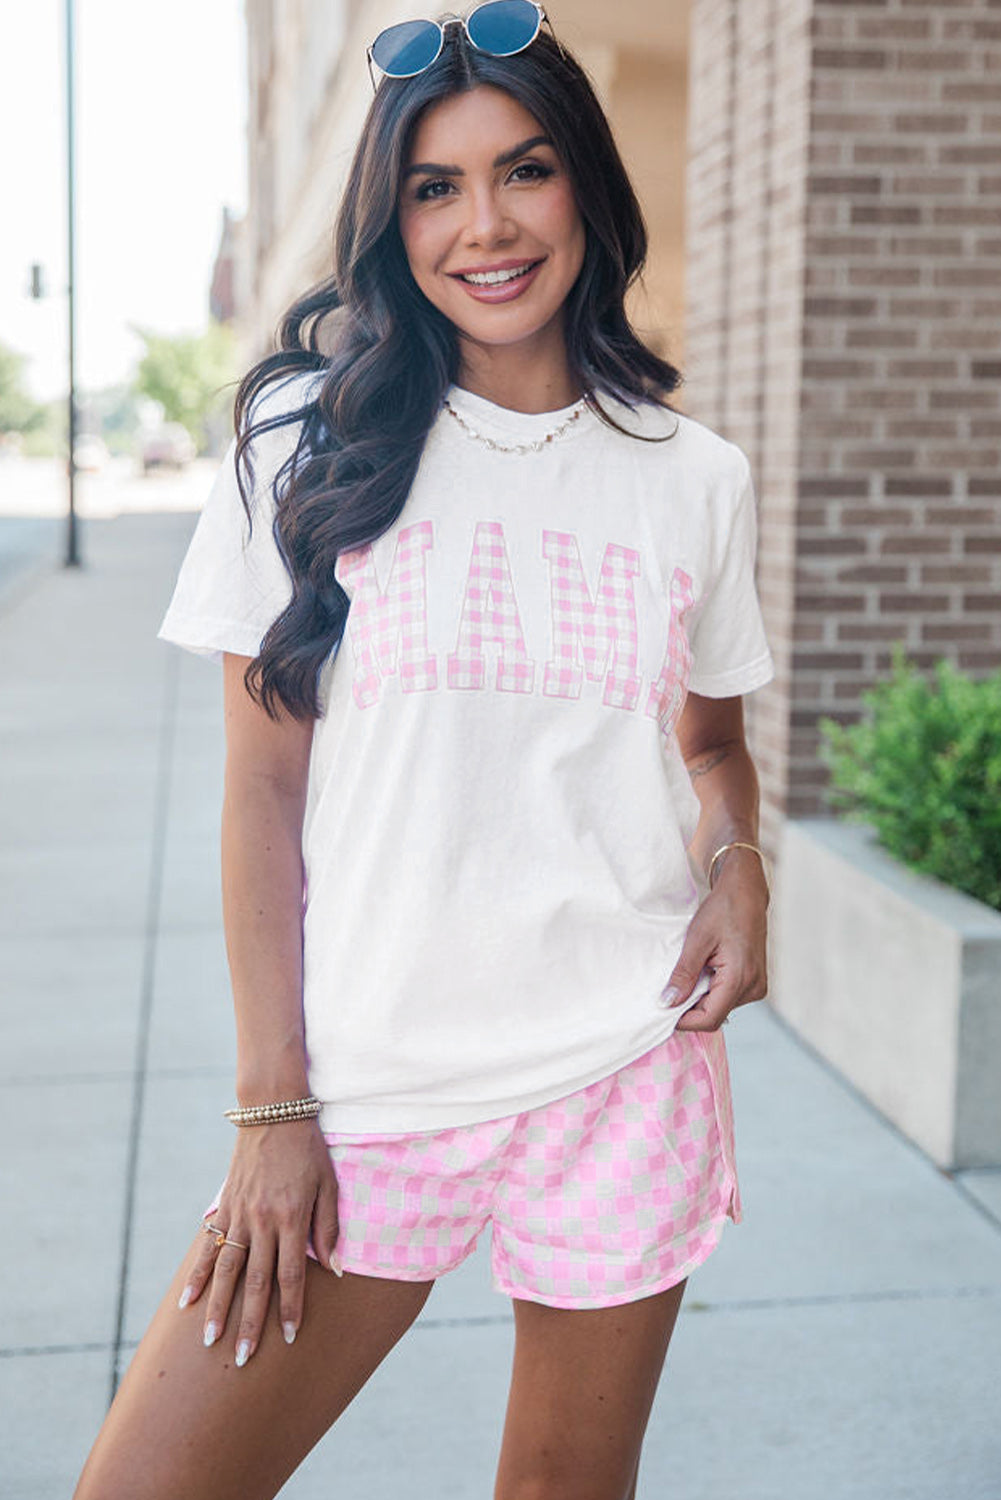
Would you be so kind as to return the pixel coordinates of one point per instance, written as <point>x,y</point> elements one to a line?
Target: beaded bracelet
<point>276,1114</point>
<point>739,844</point>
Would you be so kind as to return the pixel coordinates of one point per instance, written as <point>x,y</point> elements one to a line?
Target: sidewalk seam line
<point>695,1308</point>
<point>141,1057</point>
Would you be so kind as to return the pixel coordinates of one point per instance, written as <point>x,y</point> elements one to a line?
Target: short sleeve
<point>730,652</point>
<point>233,583</point>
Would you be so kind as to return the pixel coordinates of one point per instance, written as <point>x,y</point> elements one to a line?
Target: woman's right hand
<point>279,1192</point>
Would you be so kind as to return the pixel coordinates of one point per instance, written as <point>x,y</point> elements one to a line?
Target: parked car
<point>168,447</point>
<point>90,453</point>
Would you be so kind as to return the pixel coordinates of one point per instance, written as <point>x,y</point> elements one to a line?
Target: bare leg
<point>581,1391</point>
<point>187,1422</point>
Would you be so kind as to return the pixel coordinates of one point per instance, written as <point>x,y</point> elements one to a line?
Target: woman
<point>476,825</point>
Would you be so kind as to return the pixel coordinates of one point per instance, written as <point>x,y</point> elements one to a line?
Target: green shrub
<point>923,768</point>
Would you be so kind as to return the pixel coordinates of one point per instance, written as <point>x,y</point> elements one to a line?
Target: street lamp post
<point>72,541</point>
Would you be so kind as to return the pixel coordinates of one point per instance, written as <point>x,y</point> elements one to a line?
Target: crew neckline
<point>501,421</point>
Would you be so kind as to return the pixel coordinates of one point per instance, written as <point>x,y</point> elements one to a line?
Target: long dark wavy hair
<point>393,355</point>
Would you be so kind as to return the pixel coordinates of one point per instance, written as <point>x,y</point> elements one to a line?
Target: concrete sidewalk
<point>841,1344</point>
<point>29,546</point>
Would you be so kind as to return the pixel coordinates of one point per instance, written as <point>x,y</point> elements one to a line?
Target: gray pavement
<point>841,1344</point>
<point>28,546</point>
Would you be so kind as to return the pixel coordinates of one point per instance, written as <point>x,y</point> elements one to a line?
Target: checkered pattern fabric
<point>609,1194</point>
<point>388,627</point>
<point>604,628</point>
<point>490,613</point>
<point>667,694</point>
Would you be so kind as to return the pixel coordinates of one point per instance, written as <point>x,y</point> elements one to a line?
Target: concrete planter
<point>895,979</point>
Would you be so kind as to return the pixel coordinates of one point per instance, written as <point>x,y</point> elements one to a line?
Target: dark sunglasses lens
<point>503,26</point>
<point>406,49</point>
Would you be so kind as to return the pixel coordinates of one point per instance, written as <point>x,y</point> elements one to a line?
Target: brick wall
<point>844,326</point>
<point>748,143</point>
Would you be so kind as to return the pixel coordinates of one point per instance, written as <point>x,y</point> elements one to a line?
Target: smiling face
<point>483,195</point>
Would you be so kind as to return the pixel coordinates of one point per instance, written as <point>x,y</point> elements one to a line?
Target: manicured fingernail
<point>186,1296</point>
<point>289,1331</point>
<point>242,1353</point>
<point>335,1264</point>
<point>670,996</point>
<point>211,1334</point>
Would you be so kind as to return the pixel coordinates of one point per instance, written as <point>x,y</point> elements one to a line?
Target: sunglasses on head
<point>499,27</point>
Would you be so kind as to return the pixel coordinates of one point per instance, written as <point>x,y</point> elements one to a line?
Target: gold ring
<point>222,1239</point>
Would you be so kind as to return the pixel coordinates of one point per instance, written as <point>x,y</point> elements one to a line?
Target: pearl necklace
<point>533,447</point>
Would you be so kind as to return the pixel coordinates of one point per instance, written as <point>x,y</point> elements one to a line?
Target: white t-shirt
<point>498,813</point>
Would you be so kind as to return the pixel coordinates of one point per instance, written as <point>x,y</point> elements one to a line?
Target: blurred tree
<point>48,438</point>
<point>18,412</point>
<point>187,374</point>
<point>113,412</point>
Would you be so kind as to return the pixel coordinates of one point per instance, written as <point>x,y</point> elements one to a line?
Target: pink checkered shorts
<point>609,1194</point>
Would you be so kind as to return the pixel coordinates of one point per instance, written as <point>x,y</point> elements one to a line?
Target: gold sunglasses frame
<point>456,20</point>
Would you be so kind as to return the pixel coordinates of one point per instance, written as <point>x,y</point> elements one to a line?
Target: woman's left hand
<point>729,934</point>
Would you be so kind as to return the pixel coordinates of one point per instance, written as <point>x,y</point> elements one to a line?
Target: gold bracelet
<point>739,844</point>
<point>276,1114</point>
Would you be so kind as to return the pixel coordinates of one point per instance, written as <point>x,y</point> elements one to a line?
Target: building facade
<point>227,293</point>
<point>844,326</point>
